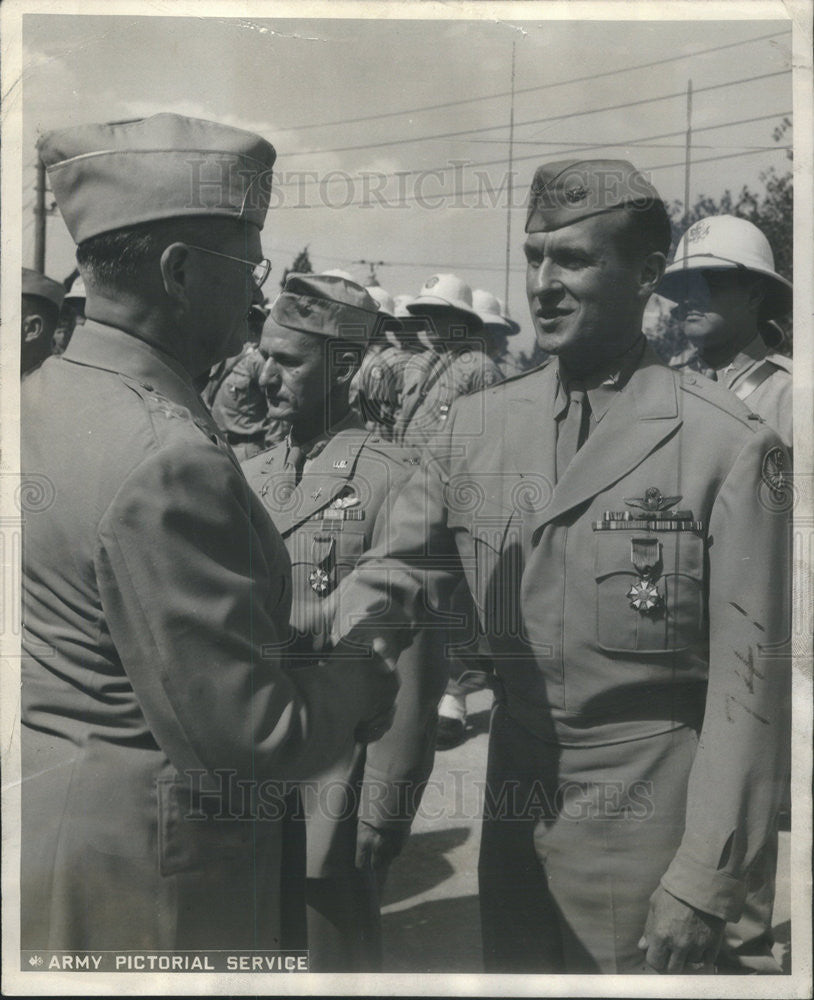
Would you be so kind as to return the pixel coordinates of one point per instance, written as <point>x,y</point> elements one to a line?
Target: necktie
<point>572,431</point>
<point>294,463</point>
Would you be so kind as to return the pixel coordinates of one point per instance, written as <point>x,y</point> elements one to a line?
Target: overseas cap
<point>105,177</point>
<point>37,284</point>
<point>724,242</point>
<point>448,292</point>
<point>569,190</point>
<point>328,305</point>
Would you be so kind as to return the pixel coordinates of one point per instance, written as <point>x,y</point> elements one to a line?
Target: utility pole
<point>372,264</point>
<point>39,219</point>
<point>688,156</point>
<point>509,187</point>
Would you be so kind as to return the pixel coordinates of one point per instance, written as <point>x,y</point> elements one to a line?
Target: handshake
<point>377,659</point>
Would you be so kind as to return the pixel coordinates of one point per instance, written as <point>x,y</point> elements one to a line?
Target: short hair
<point>37,305</point>
<point>117,259</point>
<point>648,229</point>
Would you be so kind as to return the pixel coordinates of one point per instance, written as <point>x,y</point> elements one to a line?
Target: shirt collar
<point>755,350</point>
<point>603,385</point>
<point>315,446</point>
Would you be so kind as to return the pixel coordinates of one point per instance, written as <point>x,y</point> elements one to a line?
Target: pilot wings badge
<point>653,500</point>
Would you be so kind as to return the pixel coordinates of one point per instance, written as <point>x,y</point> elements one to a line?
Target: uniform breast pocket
<point>660,612</point>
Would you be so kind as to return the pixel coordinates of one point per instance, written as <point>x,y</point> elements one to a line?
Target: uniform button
<point>691,380</point>
<point>147,386</point>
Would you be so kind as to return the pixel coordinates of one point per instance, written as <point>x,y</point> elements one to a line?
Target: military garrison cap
<point>121,174</point>
<point>328,305</point>
<point>37,284</point>
<point>569,190</point>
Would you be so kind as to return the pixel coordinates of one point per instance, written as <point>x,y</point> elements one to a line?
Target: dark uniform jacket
<point>556,566</point>
<point>156,599</point>
<point>341,504</point>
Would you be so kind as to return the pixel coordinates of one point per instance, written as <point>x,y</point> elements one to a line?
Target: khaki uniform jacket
<point>551,578</point>
<point>433,382</point>
<point>156,599</point>
<point>772,398</point>
<point>341,504</point>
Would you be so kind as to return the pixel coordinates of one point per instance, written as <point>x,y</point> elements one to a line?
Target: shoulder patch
<point>775,473</point>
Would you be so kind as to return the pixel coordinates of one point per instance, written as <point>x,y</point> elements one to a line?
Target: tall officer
<point>728,292</point>
<point>328,488</point>
<point>39,314</point>
<point>156,591</point>
<point>603,509</point>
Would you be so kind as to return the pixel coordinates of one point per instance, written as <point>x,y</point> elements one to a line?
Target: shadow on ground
<point>423,865</point>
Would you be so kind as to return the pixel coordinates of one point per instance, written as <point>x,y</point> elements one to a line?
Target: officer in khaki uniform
<point>329,489</point>
<point>604,510</point>
<point>727,292</point>
<point>158,717</point>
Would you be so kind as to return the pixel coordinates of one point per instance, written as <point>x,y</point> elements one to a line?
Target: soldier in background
<point>498,329</point>
<point>233,393</point>
<point>40,305</point>
<point>456,362</point>
<point>71,315</point>
<point>328,488</point>
<point>376,387</point>
<point>729,297</point>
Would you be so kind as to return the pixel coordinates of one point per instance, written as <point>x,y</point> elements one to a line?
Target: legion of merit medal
<point>644,595</point>
<point>319,580</point>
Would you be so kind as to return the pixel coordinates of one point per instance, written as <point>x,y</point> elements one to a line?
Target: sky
<point>393,135</point>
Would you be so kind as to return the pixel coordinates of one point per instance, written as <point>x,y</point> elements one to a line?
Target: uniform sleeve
<point>398,765</point>
<point>407,575</point>
<point>193,593</point>
<point>737,778</point>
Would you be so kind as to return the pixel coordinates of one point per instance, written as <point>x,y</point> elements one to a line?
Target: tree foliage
<point>301,265</point>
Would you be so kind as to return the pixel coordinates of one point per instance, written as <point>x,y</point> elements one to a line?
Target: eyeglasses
<point>260,271</point>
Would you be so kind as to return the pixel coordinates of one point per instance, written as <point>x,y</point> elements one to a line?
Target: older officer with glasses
<point>156,704</point>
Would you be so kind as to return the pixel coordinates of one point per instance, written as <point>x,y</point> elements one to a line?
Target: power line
<point>529,90</point>
<point>460,194</point>
<point>577,147</point>
<point>542,121</point>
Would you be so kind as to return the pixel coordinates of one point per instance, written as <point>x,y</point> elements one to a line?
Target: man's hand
<point>376,848</point>
<point>679,938</point>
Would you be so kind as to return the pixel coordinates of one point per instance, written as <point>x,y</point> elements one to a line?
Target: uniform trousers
<point>575,841</point>
<point>344,924</point>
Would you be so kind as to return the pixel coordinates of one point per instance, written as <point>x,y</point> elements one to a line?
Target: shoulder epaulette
<point>402,454</point>
<point>719,397</point>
